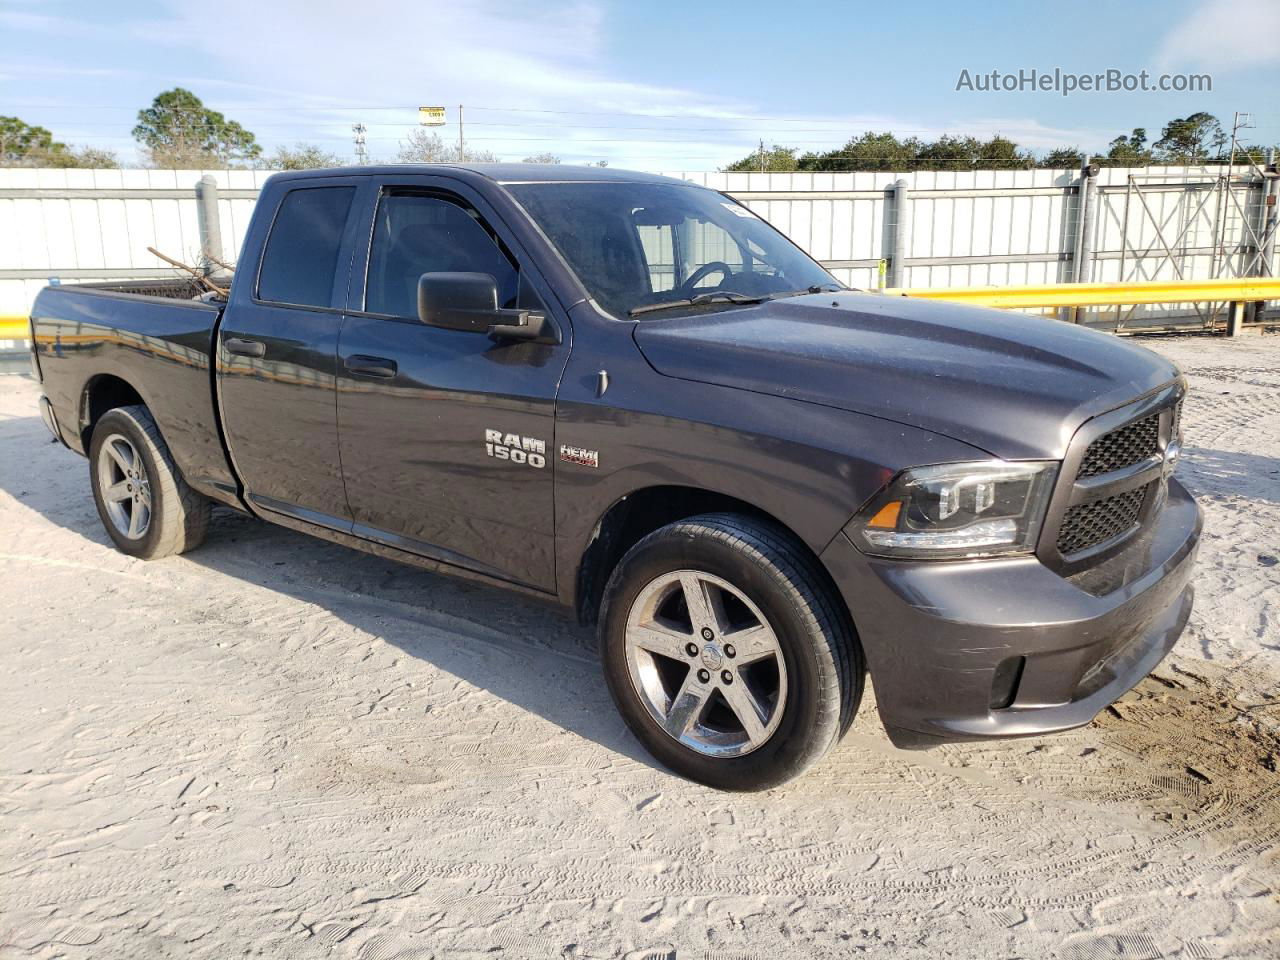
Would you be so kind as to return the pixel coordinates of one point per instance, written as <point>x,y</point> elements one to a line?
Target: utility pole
<point>358,131</point>
<point>762,154</point>
<point>462,150</point>
<point>1270,220</point>
<point>1239,121</point>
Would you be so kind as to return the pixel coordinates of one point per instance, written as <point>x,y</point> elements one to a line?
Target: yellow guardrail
<point>14,328</point>
<point>1234,290</point>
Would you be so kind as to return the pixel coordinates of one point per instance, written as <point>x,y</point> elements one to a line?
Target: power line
<point>571,140</point>
<point>642,141</point>
<point>365,108</point>
<point>567,126</point>
<point>339,108</point>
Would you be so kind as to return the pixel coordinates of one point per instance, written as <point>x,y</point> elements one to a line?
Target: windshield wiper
<point>816,288</point>
<point>711,296</point>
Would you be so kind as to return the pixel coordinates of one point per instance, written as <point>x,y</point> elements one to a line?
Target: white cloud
<point>384,58</point>
<point>307,69</point>
<point>378,60</point>
<point>1225,35</point>
<point>43,66</point>
<point>37,22</point>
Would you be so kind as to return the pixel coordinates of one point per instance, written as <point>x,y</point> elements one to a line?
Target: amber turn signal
<point>886,517</point>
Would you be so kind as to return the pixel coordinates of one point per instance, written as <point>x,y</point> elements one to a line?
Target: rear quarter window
<point>301,257</point>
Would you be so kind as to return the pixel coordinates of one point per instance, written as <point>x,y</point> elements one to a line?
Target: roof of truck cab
<point>495,172</point>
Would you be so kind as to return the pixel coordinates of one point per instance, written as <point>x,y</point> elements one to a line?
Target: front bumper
<point>1007,647</point>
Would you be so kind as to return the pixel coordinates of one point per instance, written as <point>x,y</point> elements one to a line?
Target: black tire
<point>818,645</point>
<point>178,517</point>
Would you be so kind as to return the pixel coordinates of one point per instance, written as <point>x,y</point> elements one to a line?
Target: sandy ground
<point>278,747</point>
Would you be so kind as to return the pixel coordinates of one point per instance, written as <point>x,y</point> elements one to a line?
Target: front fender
<point>809,466</point>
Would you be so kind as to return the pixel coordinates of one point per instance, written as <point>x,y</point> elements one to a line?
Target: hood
<point>1014,385</point>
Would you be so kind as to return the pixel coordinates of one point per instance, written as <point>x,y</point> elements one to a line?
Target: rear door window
<point>300,262</point>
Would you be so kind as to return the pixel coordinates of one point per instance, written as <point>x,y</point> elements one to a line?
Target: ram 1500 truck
<point>631,395</point>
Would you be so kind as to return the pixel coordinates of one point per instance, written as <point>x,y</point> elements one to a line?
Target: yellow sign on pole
<point>431,116</point>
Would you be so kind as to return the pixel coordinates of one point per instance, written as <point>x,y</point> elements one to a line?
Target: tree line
<point>177,131</point>
<point>1195,139</point>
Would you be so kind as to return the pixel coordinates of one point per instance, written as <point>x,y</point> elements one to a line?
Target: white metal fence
<point>84,225</point>
<point>998,228</point>
<point>955,229</point>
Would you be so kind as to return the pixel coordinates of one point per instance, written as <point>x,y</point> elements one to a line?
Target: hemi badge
<point>580,456</point>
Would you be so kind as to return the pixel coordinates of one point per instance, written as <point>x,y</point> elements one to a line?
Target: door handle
<point>381,368</point>
<point>245,348</point>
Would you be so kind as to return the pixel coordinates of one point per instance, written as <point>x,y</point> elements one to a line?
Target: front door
<point>446,436</point>
<point>277,352</point>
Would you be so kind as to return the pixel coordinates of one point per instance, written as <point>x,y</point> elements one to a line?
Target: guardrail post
<point>1082,269</point>
<point>1235,318</point>
<point>210,226</point>
<point>901,235</point>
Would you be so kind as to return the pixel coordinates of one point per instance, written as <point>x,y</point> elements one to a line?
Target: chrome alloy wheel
<point>706,663</point>
<point>126,489</point>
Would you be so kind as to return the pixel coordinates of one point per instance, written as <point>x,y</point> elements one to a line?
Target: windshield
<point>638,245</point>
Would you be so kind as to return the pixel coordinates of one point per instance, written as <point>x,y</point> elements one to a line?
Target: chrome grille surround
<point>1112,481</point>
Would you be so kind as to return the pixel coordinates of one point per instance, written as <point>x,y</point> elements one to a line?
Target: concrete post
<point>1235,319</point>
<point>1082,270</point>
<point>210,227</point>
<point>901,235</point>
<point>1270,211</point>
<point>1268,225</point>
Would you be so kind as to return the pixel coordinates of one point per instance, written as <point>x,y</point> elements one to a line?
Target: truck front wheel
<point>147,508</point>
<point>726,654</point>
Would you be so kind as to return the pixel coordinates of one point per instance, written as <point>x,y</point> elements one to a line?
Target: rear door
<point>277,353</point>
<point>446,436</point>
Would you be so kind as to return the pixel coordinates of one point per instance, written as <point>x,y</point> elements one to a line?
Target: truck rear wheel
<point>726,654</point>
<point>146,507</point>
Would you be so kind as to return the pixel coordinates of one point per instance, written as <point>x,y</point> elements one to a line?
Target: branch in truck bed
<point>213,287</point>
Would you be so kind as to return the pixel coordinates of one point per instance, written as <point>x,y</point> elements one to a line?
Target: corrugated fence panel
<point>97,224</point>
<point>967,228</point>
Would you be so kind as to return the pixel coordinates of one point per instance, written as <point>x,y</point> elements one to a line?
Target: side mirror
<point>469,302</point>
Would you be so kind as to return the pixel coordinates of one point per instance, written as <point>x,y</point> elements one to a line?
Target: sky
<point>655,85</point>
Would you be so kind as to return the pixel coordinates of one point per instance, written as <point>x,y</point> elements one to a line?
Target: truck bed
<point>170,288</point>
<point>158,342</point>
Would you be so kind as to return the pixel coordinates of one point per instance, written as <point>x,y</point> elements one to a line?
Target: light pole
<point>358,130</point>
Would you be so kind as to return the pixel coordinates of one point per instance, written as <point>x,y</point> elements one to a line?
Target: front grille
<point>1124,447</point>
<point>1089,524</point>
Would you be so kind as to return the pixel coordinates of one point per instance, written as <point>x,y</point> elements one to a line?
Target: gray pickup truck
<point>632,396</point>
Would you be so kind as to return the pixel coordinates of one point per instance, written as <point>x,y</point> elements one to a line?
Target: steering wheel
<point>715,266</point>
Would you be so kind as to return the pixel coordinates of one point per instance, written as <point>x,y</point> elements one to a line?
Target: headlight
<point>981,509</point>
